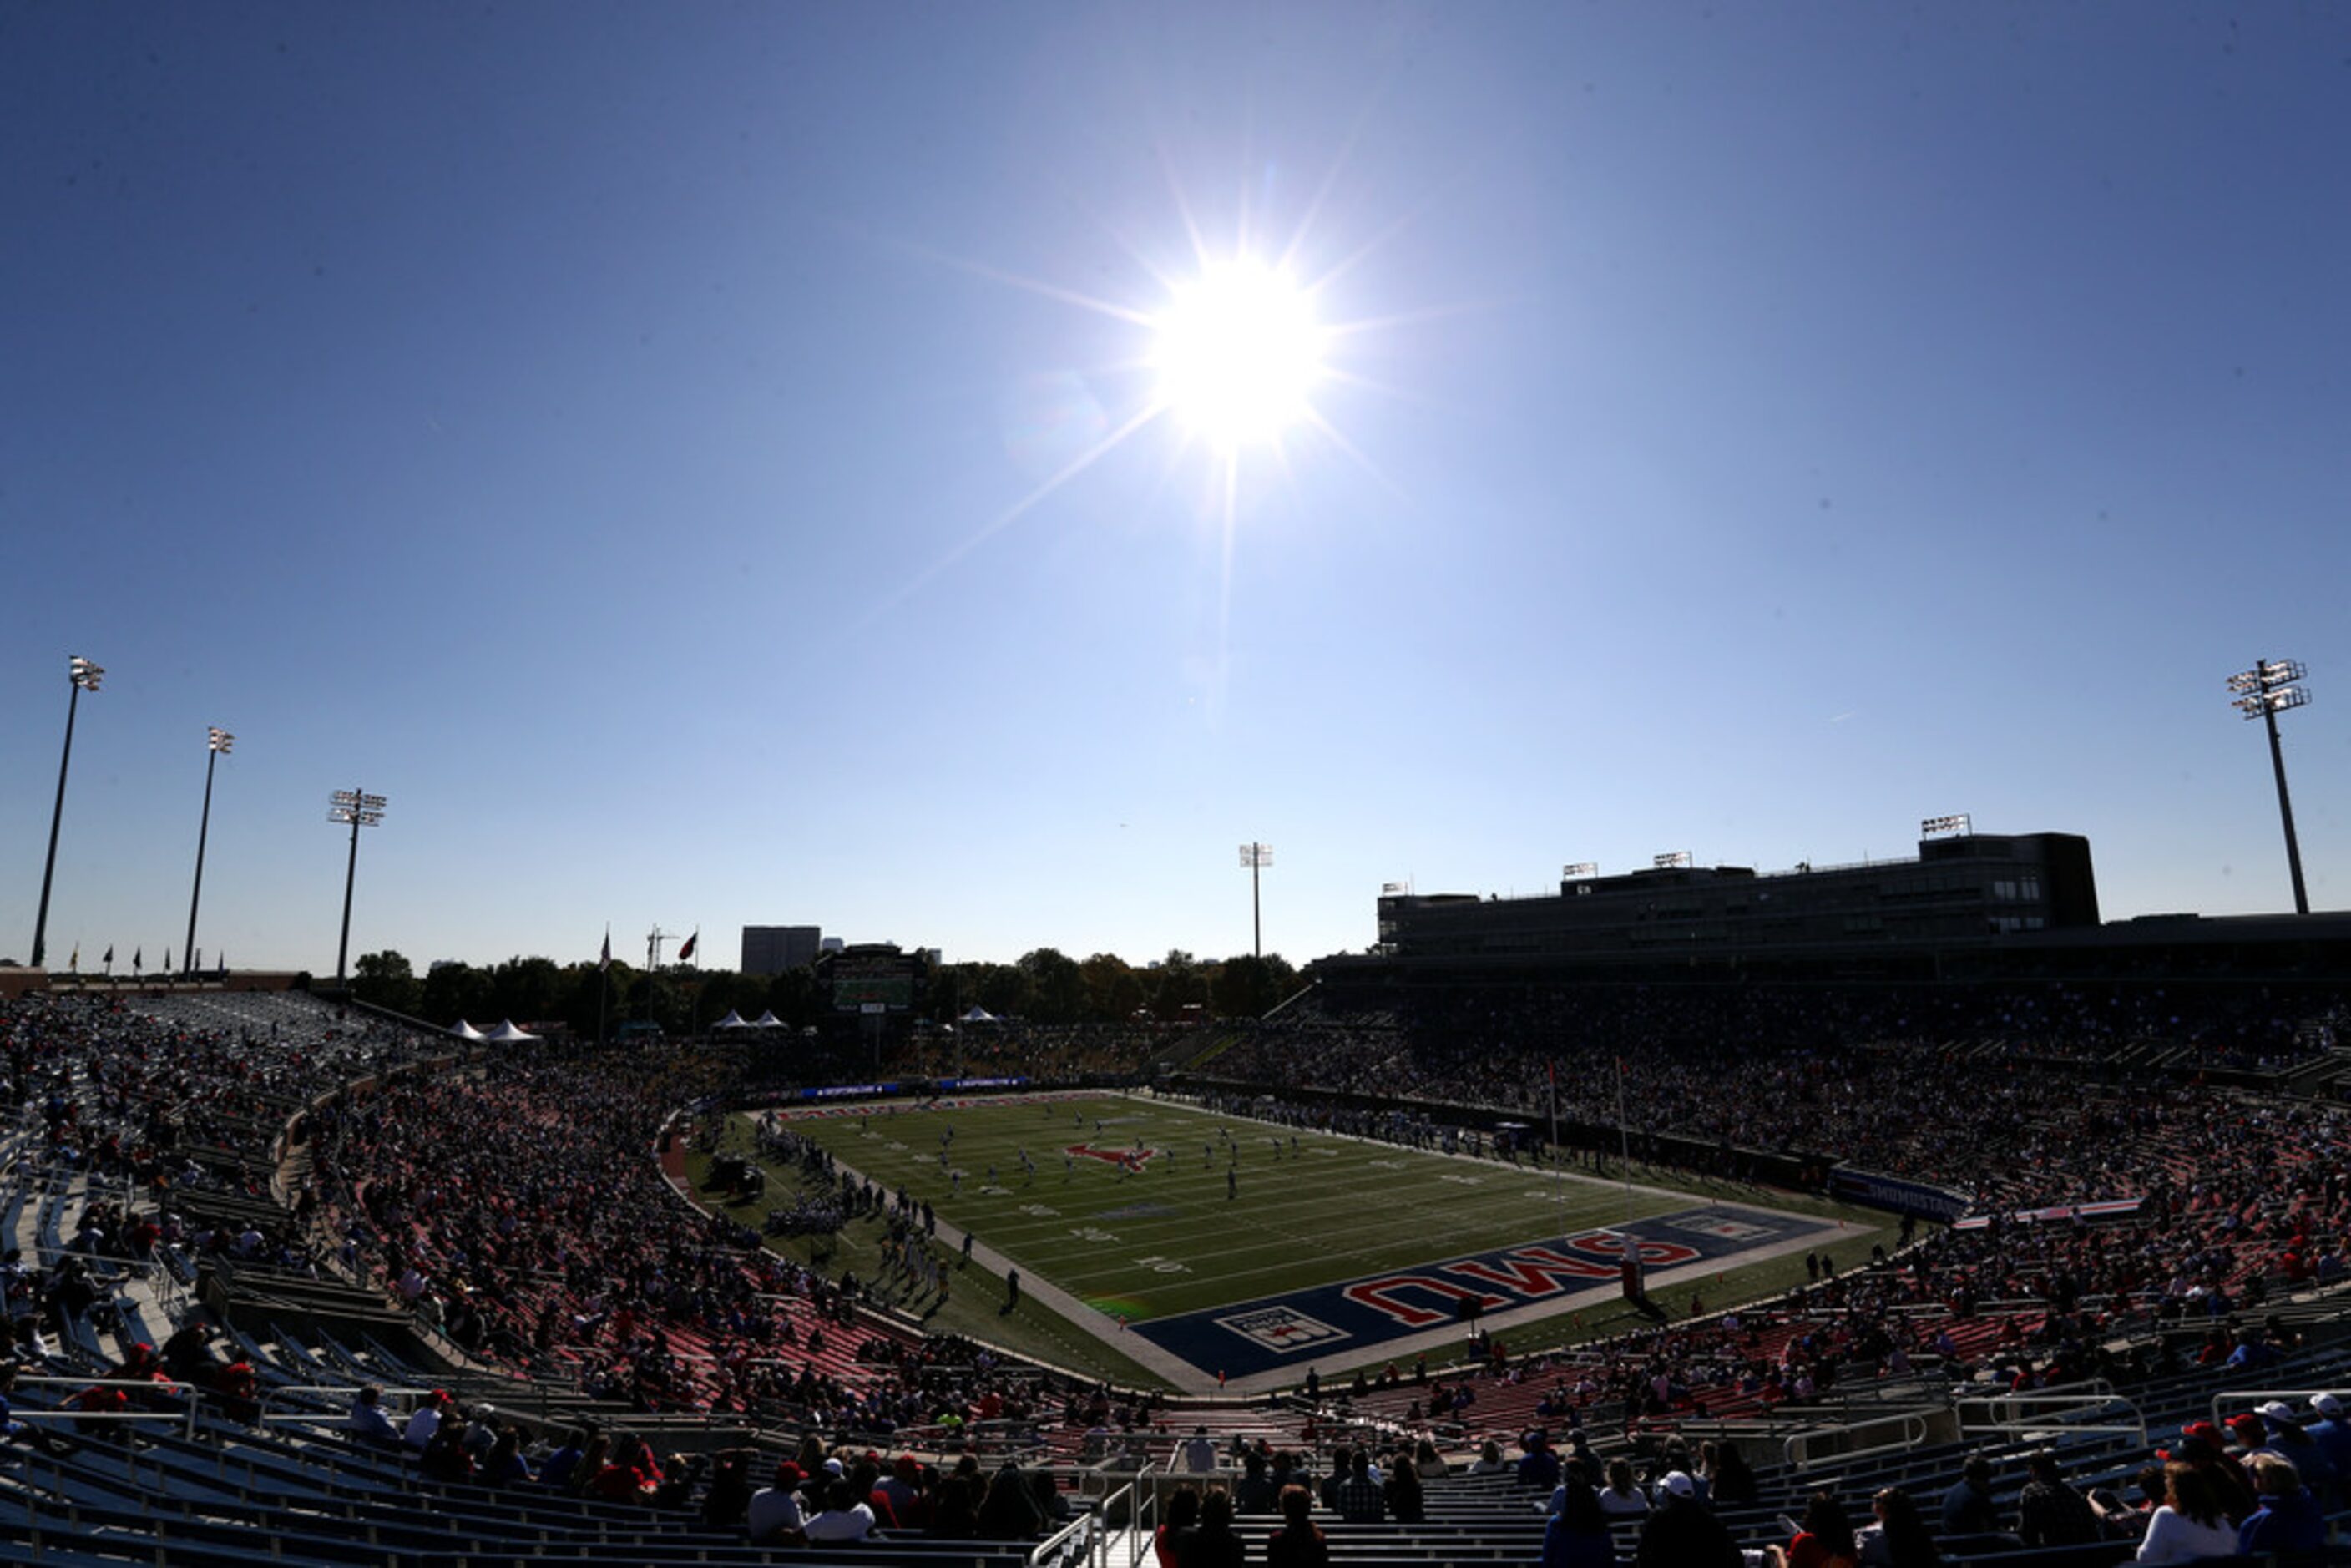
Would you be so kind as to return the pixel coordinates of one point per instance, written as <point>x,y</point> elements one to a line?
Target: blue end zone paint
<point>1275,1332</point>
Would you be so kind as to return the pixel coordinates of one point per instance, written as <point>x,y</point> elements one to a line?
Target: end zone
<point>1281,1333</point>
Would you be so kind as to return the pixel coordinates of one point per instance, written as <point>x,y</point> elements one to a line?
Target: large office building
<point>772,949</point>
<point>1960,892</point>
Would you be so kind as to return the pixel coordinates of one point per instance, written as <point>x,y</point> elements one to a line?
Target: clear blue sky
<point>603,430</point>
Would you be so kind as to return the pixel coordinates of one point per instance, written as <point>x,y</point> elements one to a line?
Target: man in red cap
<point>903,1488</point>
<point>2201,1445</point>
<point>776,1517</point>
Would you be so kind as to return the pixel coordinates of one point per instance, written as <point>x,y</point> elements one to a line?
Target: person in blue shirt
<point>1540,1469</point>
<point>2288,1519</point>
<point>2331,1431</point>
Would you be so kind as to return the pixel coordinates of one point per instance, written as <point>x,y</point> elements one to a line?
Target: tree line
<point>1044,986</point>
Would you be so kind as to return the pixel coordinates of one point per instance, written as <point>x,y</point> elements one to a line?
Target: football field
<point>1239,1247</point>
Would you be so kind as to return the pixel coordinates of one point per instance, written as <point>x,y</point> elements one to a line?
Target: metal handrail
<point>2013,1412</point>
<point>270,1398</point>
<point>1050,1549</point>
<point>1796,1451</point>
<point>185,1417</point>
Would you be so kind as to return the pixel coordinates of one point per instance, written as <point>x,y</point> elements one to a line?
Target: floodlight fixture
<point>1255,858</point>
<point>217,743</point>
<point>360,809</point>
<point>84,676</point>
<point>2263,692</point>
<point>1677,861</point>
<point>1957,822</point>
<point>1579,869</point>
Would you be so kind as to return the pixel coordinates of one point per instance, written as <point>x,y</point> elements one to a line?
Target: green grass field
<point>1174,1236</point>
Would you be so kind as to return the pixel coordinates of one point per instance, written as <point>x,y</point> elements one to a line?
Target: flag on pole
<point>605,960</point>
<point>138,959</point>
<point>108,960</point>
<point>167,960</point>
<point>74,963</point>
<point>687,951</point>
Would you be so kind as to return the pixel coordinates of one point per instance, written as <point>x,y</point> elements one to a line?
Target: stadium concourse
<point>227,1212</point>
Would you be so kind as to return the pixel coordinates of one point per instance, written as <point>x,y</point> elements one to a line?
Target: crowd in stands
<point>517,1207</point>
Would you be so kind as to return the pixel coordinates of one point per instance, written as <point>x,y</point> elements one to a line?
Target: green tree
<point>1114,990</point>
<point>457,991</point>
<point>528,990</point>
<point>1249,987</point>
<point>792,997</point>
<point>1003,989</point>
<point>1057,987</point>
<point>1177,981</point>
<point>385,980</point>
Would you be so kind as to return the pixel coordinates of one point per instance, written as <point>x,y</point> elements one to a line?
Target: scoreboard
<point>875,979</point>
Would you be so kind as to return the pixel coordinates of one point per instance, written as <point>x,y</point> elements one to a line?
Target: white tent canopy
<point>767,1020</point>
<point>732,1020</point>
<point>980,1015</point>
<point>507,1034</point>
<point>464,1030</point>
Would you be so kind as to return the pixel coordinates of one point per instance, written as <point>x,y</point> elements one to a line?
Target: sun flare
<point>1238,352</point>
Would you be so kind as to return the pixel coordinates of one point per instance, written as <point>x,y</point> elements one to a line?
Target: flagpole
<point>604,983</point>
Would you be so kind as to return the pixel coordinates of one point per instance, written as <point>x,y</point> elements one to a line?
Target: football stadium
<point>919,485</point>
<point>1441,1233</point>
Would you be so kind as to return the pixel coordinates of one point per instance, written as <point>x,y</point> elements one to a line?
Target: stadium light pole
<point>217,741</point>
<point>2263,692</point>
<point>360,809</point>
<point>1256,858</point>
<point>85,677</point>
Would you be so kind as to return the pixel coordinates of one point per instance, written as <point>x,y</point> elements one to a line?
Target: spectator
<point>1682,1532</point>
<point>775,1515</point>
<point>2291,1442</point>
<point>1967,1507</point>
<point>1489,1461</point>
<point>1256,1493</point>
<point>903,1486</point>
<point>1900,1538</point>
<point>1358,1499</point>
<point>728,1501</point>
<point>1825,1539</point>
<point>2050,1513</point>
<point>1298,1543</point>
<point>425,1421</point>
<point>1539,1466</point>
<point>1577,1535</point>
<point>1730,1481</point>
<point>2190,1523</point>
<point>843,1518</point>
<point>444,1458</point>
<point>1401,1490</point>
<point>1199,1453</point>
<point>953,1514</point>
<point>1183,1514</point>
<point>504,1465</point>
<point>2288,1519</point>
<point>556,1472</point>
<point>1009,1510</point>
<point>2332,1433</point>
<point>1621,1498</point>
<point>1211,1543</point>
<point>367,1421</point>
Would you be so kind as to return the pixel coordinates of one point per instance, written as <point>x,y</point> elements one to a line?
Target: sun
<point>1238,352</point>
